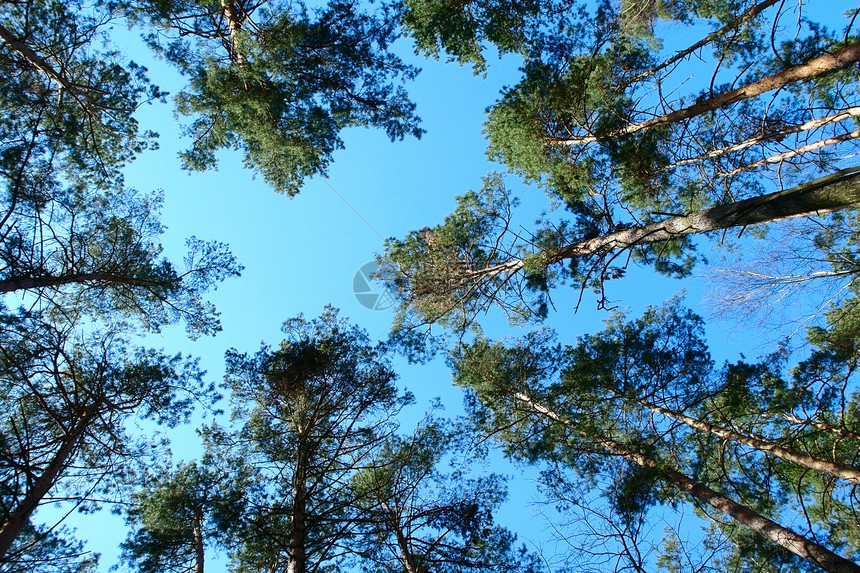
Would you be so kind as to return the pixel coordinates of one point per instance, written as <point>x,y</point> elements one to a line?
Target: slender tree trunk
<point>784,537</point>
<point>780,157</point>
<point>234,25</point>
<point>407,558</point>
<point>43,66</point>
<point>844,432</point>
<point>770,136</point>
<point>199,548</point>
<point>298,531</point>
<point>19,517</point>
<point>752,12</point>
<point>800,458</point>
<point>814,67</point>
<point>824,195</point>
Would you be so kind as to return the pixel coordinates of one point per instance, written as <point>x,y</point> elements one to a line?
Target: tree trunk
<point>770,136</point>
<point>13,284</point>
<point>814,67</point>
<point>234,25</point>
<point>839,431</point>
<point>780,157</point>
<point>19,517</point>
<point>199,547</point>
<point>298,530</point>
<point>827,194</point>
<point>766,446</point>
<point>784,537</point>
<point>407,558</point>
<point>40,64</point>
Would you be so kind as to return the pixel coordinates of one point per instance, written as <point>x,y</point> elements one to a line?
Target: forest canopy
<point>653,137</point>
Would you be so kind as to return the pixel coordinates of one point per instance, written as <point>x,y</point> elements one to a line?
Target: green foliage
<point>447,274</point>
<point>178,513</point>
<point>280,81</point>
<point>69,394</point>
<point>67,110</point>
<point>308,416</point>
<point>577,121</point>
<point>462,29</point>
<point>42,549</point>
<point>70,234</point>
<point>416,513</point>
<point>647,388</point>
<point>100,256</point>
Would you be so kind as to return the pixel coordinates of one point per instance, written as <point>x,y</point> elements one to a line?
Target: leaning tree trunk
<point>823,426</point>
<point>814,67</point>
<point>19,517</point>
<point>781,157</point>
<point>843,471</point>
<point>779,534</point>
<point>780,133</point>
<point>43,66</point>
<point>827,194</point>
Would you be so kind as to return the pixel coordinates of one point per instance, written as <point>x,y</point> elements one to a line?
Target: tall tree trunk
<point>234,25</point>
<point>43,66</point>
<point>770,136</point>
<point>199,547</point>
<point>764,445</point>
<point>779,534</point>
<point>19,517</point>
<point>824,195</point>
<point>814,67</point>
<point>298,530</point>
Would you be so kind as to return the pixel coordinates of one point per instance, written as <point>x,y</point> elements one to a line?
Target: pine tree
<point>280,80</point>
<point>310,413</point>
<point>68,394</point>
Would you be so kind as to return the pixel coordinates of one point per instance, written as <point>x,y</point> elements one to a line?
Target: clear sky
<point>301,254</point>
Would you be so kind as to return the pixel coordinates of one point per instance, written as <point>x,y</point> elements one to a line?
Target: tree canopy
<point>68,396</point>
<point>280,80</point>
<point>657,130</point>
<point>636,151</point>
<point>645,394</point>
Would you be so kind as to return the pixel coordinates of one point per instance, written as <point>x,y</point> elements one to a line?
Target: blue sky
<point>301,254</point>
